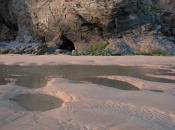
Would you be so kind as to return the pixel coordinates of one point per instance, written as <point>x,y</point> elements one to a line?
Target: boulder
<point>11,52</point>
<point>74,53</point>
<point>5,51</point>
<point>119,47</point>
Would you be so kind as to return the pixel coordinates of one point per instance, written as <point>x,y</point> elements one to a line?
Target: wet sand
<point>33,60</point>
<point>90,106</point>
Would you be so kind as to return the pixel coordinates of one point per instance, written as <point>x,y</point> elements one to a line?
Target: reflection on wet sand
<point>35,77</point>
<point>37,102</point>
<point>3,81</point>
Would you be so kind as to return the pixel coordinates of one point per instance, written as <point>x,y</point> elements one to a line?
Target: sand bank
<point>86,60</point>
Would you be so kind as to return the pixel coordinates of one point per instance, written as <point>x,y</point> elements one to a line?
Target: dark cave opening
<point>8,30</point>
<point>66,44</point>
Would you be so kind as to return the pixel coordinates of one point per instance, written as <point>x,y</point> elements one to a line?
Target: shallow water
<point>35,76</point>
<point>112,83</point>
<point>158,91</point>
<point>3,81</point>
<point>37,102</point>
<point>31,81</point>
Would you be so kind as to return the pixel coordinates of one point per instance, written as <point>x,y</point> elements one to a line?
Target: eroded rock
<point>84,22</point>
<point>78,24</point>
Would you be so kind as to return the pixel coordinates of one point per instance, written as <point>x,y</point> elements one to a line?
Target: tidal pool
<point>31,81</point>
<point>35,76</point>
<point>38,102</point>
<point>158,91</point>
<point>112,83</point>
<point>3,81</point>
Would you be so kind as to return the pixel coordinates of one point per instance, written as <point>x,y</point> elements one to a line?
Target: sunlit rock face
<point>77,24</point>
<point>79,21</point>
<point>85,22</point>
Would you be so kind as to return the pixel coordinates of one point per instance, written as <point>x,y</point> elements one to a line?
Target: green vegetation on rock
<point>95,47</point>
<point>157,52</point>
<point>156,8</point>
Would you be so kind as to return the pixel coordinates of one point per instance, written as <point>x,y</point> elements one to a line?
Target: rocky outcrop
<point>78,24</point>
<point>8,28</point>
<point>15,16</point>
<point>168,19</point>
<point>86,22</point>
<point>164,3</point>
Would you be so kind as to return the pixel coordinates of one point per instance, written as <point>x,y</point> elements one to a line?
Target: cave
<point>66,44</point>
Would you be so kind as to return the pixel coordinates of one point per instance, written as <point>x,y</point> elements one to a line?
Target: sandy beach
<point>90,106</point>
<point>33,60</point>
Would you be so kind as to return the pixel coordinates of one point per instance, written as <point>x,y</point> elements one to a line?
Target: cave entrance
<point>7,34</point>
<point>66,44</point>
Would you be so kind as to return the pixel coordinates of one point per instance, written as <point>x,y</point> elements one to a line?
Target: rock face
<point>8,24</point>
<point>77,24</point>
<point>169,19</point>
<point>85,22</point>
<point>165,3</point>
<point>15,16</point>
<point>66,22</point>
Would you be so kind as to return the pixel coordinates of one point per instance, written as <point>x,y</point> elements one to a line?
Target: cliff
<point>126,25</point>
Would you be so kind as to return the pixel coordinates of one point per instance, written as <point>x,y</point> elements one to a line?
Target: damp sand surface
<point>89,99</point>
<point>36,77</point>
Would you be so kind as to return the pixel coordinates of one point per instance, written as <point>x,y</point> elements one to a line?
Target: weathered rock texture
<point>86,22</point>
<point>169,19</point>
<point>16,17</point>
<point>77,24</point>
<point>165,3</point>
